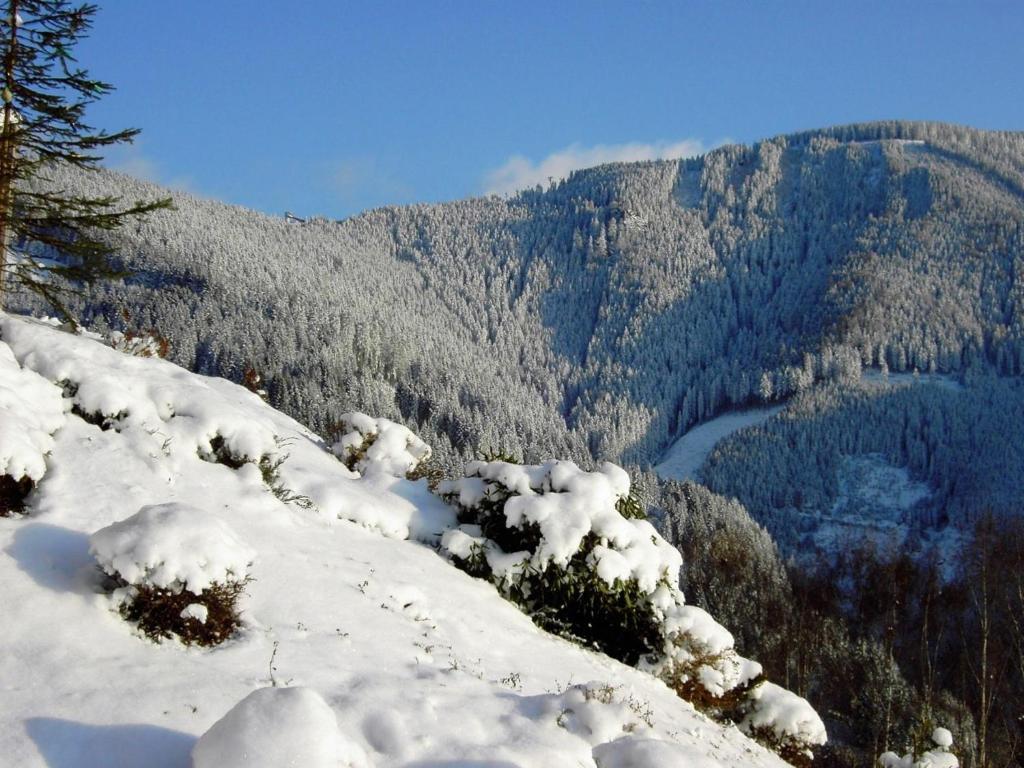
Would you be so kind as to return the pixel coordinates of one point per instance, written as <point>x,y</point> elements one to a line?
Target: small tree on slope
<point>45,93</point>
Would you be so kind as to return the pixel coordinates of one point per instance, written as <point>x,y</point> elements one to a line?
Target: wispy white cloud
<point>131,160</point>
<point>363,181</point>
<point>520,172</point>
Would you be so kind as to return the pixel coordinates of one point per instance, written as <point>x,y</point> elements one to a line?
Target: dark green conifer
<point>45,94</point>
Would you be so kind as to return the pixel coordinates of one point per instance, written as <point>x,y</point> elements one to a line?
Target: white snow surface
<point>277,728</point>
<point>196,611</point>
<point>942,738</point>
<point>638,752</point>
<point>683,460</point>
<point>884,379</point>
<point>785,713</point>
<point>415,662</point>
<point>30,411</point>
<point>873,503</point>
<point>172,546</point>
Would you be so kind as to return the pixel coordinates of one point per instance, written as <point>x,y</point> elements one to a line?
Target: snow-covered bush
<point>939,756</point>
<point>176,570</point>
<point>699,662</point>
<point>367,445</point>
<point>550,538</point>
<point>31,410</point>
<point>275,727</point>
<point>784,722</point>
<point>150,344</point>
<point>553,539</point>
<point>599,711</point>
<point>13,493</point>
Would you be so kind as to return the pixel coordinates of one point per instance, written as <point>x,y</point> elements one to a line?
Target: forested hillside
<point>602,317</point>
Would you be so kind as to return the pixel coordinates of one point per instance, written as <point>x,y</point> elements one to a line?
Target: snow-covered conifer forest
<point>861,537</point>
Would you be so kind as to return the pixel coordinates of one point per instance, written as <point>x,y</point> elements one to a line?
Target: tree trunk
<point>7,142</point>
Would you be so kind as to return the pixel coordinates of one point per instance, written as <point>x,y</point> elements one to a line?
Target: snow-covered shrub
<point>149,344</point>
<point>369,446</point>
<point>176,570</point>
<point>939,756</point>
<point>550,538</point>
<point>13,494</point>
<point>699,662</point>
<point>275,727</point>
<point>783,722</point>
<point>220,450</point>
<point>253,381</point>
<point>31,410</point>
<point>598,711</point>
<point>270,471</point>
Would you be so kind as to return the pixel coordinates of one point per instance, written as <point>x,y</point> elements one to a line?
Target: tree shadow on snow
<point>53,556</point>
<point>67,744</point>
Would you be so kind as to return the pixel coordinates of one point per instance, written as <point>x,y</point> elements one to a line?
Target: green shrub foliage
<point>562,591</point>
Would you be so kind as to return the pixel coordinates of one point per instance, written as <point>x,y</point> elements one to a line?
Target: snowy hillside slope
<point>419,663</point>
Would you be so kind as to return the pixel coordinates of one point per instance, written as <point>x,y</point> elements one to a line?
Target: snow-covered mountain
<point>359,645</point>
<point>603,318</point>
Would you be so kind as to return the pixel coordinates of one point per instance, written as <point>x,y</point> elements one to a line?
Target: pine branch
<point>46,94</point>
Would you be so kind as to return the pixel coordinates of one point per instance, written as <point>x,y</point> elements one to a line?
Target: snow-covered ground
<point>406,661</point>
<point>687,455</point>
<point>874,497</point>
<point>683,460</point>
<point>877,377</point>
<point>870,482</point>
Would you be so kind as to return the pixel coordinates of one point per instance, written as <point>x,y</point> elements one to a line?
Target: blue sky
<point>332,107</point>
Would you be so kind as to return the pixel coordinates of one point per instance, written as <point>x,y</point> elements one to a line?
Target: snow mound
<point>942,738</point>
<point>370,446</point>
<point>172,546</point>
<point>196,612</point>
<point>699,625</point>
<point>277,728</point>
<point>31,410</point>
<point>598,712</point>
<point>781,712</point>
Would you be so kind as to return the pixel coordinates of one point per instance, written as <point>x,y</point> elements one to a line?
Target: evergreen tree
<point>45,94</point>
